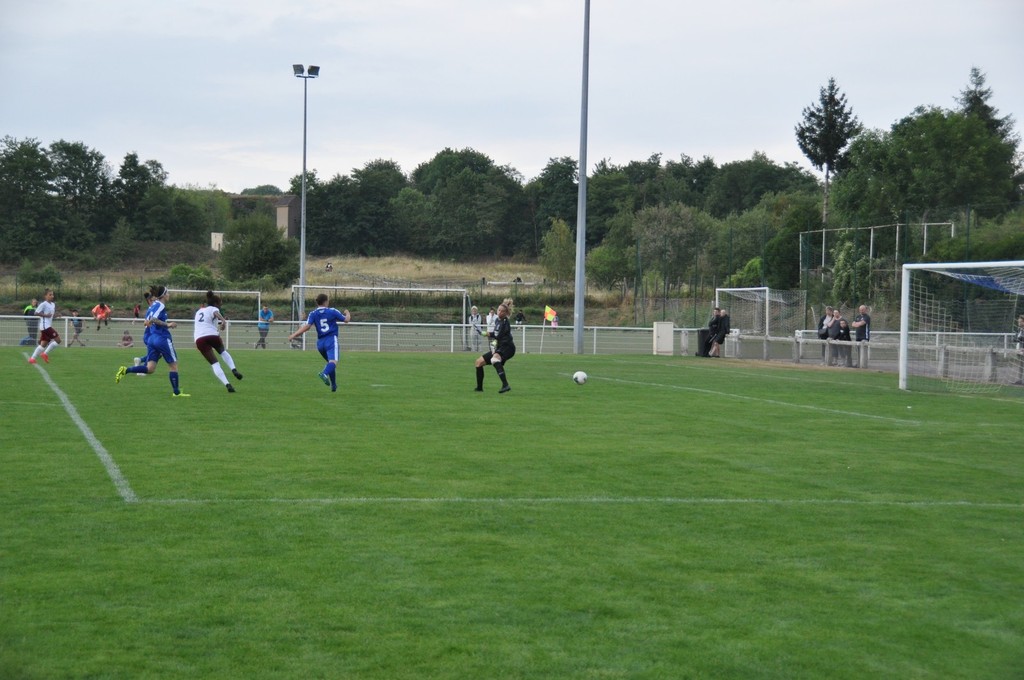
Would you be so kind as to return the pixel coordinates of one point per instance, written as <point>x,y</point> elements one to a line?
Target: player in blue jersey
<point>325,320</point>
<point>158,341</point>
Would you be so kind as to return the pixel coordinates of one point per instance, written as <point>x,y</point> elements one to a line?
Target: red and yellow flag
<point>549,313</point>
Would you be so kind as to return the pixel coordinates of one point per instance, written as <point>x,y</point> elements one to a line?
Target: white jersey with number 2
<point>206,322</point>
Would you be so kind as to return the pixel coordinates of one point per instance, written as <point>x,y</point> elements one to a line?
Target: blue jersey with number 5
<point>325,320</point>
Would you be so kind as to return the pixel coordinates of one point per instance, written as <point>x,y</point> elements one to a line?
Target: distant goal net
<point>959,328</point>
<point>392,305</point>
<point>235,304</point>
<point>763,311</point>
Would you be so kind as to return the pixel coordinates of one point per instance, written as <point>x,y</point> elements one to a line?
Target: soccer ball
<point>579,377</point>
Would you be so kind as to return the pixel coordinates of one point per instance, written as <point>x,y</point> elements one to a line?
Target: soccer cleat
<point>334,388</point>
<point>504,388</point>
<point>234,372</point>
<point>121,372</point>
<point>180,394</point>
<point>31,360</point>
<point>327,381</point>
<point>231,388</point>
<point>137,361</point>
<point>46,357</point>
<point>478,389</point>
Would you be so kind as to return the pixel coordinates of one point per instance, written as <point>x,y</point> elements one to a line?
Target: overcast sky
<point>205,87</point>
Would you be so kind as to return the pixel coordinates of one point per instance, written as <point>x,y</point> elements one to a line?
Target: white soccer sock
<point>53,344</point>
<point>37,351</point>
<point>228,360</point>
<point>219,372</point>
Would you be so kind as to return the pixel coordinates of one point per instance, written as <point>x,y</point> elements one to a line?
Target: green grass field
<point>673,518</point>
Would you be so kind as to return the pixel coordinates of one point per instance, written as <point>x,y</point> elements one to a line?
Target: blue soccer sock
<point>173,375</point>
<point>141,368</point>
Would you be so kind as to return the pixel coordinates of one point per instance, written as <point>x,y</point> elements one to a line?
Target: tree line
<point>679,220</point>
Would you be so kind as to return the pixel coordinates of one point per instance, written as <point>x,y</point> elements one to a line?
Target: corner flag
<point>549,313</point>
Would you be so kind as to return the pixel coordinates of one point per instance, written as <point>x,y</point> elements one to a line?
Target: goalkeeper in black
<point>502,349</point>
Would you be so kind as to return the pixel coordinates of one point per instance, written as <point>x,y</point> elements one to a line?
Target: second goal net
<point>961,325</point>
<point>762,310</point>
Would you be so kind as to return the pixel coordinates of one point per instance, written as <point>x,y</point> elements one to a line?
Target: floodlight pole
<point>581,199</point>
<point>301,72</point>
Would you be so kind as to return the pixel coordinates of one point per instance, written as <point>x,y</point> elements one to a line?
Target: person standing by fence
<point>862,329</point>
<point>263,326</point>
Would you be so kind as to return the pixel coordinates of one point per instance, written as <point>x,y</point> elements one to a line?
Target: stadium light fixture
<point>302,72</point>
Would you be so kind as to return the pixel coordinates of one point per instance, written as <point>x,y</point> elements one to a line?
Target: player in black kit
<point>502,350</point>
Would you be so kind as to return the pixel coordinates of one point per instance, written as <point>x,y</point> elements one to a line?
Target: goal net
<point>392,305</point>
<point>235,304</point>
<point>959,326</point>
<point>763,311</point>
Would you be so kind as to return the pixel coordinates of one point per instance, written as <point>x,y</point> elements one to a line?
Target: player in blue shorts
<point>158,341</point>
<point>325,320</point>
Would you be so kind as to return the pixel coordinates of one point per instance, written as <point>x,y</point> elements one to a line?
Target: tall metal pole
<point>581,199</point>
<point>301,71</point>
<point>302,227</point>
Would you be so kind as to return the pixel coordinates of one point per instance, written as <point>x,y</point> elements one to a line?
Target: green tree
<point>558,252</point>
<point>132,184</point>
<point>825,132</point>
<point>749,275</point>
<point>375,228</point>
<point>29,210</point>
<point>168,214</point>
<point>214,208</point>
<point>739,186</point>
<point>670,238</point>
<point>122,241</point>
<point>254,248</point>
<point>974,101</point>
<point>192,278</point>
<point>262,190</point>
<point>553,194</point>
<point>31,274</point>
<point>791,214</point>
<point>609,193</point>
<point>933,160</point>
<point>412,218</point>
<point>473,203</point>
<point>82,181</point>
<point>851,273</point>
<point>608,266</point>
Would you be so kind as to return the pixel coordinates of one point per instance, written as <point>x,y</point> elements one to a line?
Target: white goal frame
<point>905,290</point>
<point>200,293</point>
<point>466,302</point>
<point>769,296</point>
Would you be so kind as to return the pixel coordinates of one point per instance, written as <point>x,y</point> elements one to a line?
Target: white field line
<point>583,500</point>
<point>774,402</point>
<point>113,471</point>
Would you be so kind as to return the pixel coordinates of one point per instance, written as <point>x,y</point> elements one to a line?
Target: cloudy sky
<point>205,87</point>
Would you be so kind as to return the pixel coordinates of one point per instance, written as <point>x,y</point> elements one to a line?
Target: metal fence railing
<point>803,347</point>
<point>356,337</point>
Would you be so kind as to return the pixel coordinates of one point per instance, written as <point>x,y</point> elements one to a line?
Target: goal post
<point>762,310</point>
<point>958,326</point>
<point>251,302</point>
<point>392,303</point>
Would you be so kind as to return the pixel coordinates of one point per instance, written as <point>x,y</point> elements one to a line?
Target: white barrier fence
<point>804,347</point>
<point>357,336</point>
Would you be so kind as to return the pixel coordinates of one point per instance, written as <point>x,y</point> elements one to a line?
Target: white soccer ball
<point>579,377</point>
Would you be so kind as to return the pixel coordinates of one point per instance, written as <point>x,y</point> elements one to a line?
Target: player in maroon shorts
<point>48,336</point>
<point>208,341</point>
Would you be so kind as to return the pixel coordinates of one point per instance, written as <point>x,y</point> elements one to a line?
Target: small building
<point>289,215</point>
